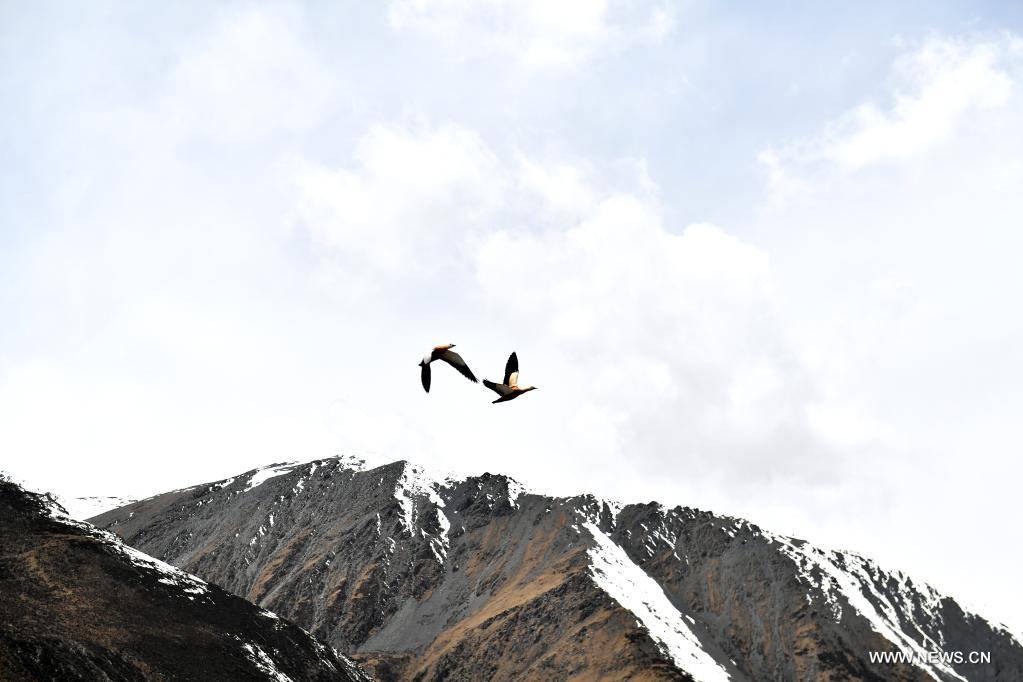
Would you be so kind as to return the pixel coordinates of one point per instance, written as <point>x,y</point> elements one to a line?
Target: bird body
<point>445,354</point>
<point>510,389</point>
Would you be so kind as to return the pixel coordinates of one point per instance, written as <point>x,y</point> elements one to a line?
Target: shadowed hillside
<point>77,604</point>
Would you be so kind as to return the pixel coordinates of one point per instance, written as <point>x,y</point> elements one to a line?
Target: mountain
<point>422,579</point>
<point>77,604</point>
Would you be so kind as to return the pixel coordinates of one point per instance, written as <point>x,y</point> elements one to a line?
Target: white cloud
<point>939,85</point>
<point>539,34</point>
<point>894,235</point>
<point>408,203</point>
<point>418,201</point>
<point>564,188</point>
<point>250,74</point>
<point>673,336</point>
<point>934,90</point>
<point>669,342</point>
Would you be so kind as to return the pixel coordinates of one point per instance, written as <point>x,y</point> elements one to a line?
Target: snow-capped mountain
<point>78,604</point>
<point>479,579</point>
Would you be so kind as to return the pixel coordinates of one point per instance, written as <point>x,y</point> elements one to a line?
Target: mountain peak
<point>425,578</point>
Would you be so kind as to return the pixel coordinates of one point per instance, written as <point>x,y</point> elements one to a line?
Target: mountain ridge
<point>426,579</point>
<point>79,604</point>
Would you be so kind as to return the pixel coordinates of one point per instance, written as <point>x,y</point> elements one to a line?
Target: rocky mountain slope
<point>478,579</point>
<point>77,604</point>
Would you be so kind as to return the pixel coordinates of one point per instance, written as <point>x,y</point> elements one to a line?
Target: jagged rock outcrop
<point>77,604</point>
<point>479,579</point>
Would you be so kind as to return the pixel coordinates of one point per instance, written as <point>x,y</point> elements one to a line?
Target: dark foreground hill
<point>77,604</point>
<point>477,579</point>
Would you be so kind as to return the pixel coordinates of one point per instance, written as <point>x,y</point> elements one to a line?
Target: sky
<point>761,260</point>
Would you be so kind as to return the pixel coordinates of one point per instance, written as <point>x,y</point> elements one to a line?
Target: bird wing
<point>456,361</point>
<point>499,389</point>
<point>426,376</point>
<point>511,370</point>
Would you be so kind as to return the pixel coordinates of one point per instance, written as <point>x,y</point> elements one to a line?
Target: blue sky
<point>759,260</point>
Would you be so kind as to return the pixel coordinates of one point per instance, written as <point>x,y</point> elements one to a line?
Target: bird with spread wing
<point>449,356</point>
<point>510,389</point>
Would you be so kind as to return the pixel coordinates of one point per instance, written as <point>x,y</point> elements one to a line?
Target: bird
<point>449,356</point>
<point>510,389</point>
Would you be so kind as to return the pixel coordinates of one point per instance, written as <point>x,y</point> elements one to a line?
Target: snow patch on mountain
<point>854,583</point>
<point>614,507</point>
<point>629,585</point>
<point>264,663</point>
<point>350,462</point>
<point>187,582</point>
<point>515,491</point>
<point>415,482</point>
<point>264,474</point>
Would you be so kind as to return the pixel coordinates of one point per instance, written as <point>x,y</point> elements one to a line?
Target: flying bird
<point>510,389</point>
<point>449,356</point>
